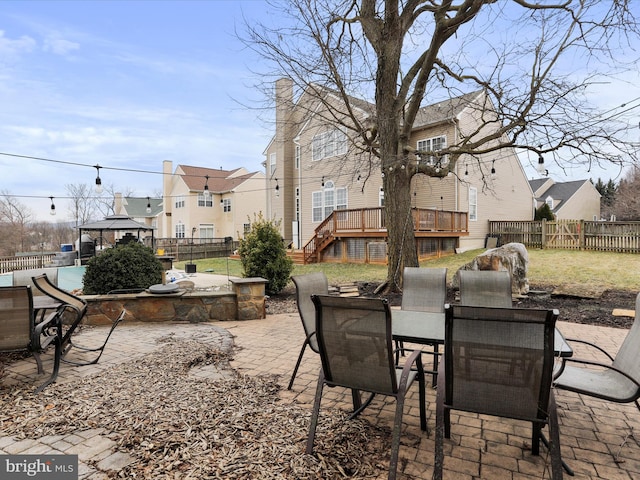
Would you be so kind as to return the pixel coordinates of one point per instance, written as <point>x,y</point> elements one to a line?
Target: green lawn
<point>546,267</point>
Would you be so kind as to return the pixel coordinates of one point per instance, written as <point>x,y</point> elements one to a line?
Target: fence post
<point>581,235</point>
<point>544,234</point>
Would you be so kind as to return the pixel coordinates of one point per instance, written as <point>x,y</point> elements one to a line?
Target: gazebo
<point>113,223</point>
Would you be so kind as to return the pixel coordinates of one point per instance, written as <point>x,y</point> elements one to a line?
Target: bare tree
<point>106,202</point>
<point>626,205</point>
<point>14,224</point>
<point>83,202</point>
<point>399,55</point>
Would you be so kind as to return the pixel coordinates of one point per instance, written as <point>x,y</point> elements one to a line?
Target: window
<point>298,203</point>
<point>549,201</point>
<point>381,197</point>
<point>226,205</point>
<point>206,230</point>
<point>272,164</point>
<point>180,230</point>
<point>327,200</point>
<point>179,202</point>
<point>433,145</point>
<point>246,228</point>
<point>297,156</point>
<point>473,204</point>
<point>205,200</point>
<point>329,144</point>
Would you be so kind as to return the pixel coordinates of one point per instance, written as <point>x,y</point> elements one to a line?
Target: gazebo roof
<point>115,222</point>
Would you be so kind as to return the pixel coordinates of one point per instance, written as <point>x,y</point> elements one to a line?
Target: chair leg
<point>554,442</point>
<point>295,370</point>
<point>438,464</point>
<point>100,349</point>
<point>56,360</point>
<point>395,440</point>
<point>315,413</point>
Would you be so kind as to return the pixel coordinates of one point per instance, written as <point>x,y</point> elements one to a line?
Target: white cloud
<point>13,47</point>
<point>59,46</point>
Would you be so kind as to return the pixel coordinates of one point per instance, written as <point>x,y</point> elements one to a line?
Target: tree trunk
<point>399,219</point>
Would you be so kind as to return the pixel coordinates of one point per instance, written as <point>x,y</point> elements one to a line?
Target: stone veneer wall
<point>245,302</point>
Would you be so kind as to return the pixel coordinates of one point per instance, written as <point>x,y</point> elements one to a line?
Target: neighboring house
<point>310,172</point>
<point>143,210</point>
<point>577,200</point>
<point>216,203</point>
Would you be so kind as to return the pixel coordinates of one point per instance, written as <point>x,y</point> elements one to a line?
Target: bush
<point>544,213</point>
<point>262,254</point>
<point>122,267</point>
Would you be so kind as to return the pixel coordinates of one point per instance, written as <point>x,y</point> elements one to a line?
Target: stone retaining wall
<point>245,302</point>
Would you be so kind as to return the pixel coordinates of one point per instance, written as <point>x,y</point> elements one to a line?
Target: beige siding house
<point>312,170</point>
<point>216,203</point>
<point>145,210</point>
<point>577,200</point>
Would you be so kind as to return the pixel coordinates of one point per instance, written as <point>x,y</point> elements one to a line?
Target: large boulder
<point>512,257</point>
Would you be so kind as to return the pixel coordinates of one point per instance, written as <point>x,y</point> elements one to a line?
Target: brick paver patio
<point>595,436</point>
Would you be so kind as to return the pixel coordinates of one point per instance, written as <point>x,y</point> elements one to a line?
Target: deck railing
<point>373,220</point>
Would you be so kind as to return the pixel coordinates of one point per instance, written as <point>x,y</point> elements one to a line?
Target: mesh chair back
<point>424,289</point>
<point>44,285</point>
<point>499,361</point>
<point>485,288</point>
<point>24,277</point>
<point>16,318</point>
<point>628,359</point>
<point>354,340</point>
<point>306,285</point>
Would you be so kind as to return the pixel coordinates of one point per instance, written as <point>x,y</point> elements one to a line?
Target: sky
<point>128,84</point>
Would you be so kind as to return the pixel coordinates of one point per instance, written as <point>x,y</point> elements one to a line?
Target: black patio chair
<point>76,307</point>
<point>499,362</point>
<point>19,331</point>
<point>355,345</point>
<point>307,285</point>
<point>616,380</point>
<point>485,288</point>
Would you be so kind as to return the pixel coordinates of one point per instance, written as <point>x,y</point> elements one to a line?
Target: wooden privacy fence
<point>622,237</point>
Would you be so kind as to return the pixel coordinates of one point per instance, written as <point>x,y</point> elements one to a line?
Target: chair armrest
<point>597,364</point>
<point>584,342</point>
<point>53,320</point>
<point>414,358</point>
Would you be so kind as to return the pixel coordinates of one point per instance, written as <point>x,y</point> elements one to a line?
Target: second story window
<point>272,164</point>
<point>226,205</point>
<point>205,200</point>
<point>179,202</point>
<point>329,144</point>
<point>434,144</point>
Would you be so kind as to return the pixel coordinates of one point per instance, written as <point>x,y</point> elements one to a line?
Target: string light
<point>98,181</point>
<point>278,187</point>
<point>466,170</point>
<point>541,169</point>
<point>148,205</point>
<point>53,207</point>
<point>206,186</point>
<point>322,181</point>
<point>493,169</point>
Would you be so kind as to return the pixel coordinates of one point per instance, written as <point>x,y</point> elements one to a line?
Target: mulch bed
<point>573,308</point>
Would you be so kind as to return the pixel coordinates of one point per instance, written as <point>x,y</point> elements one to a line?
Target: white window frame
<point>433,144</point>
<point>549,201</point>
<point>205,200</point>
<point>179,203</point>
<point>325,201</point>
<point>272,164</point>
<point>473,204</point>
<point>328,144</point>
<point>381,197</point>
<point>246,228</point>
<point>226,205</point>
<point>207,230</point>
<point>180,230</point>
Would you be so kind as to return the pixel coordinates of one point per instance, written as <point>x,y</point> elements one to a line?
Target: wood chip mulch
<point>176,425</point>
